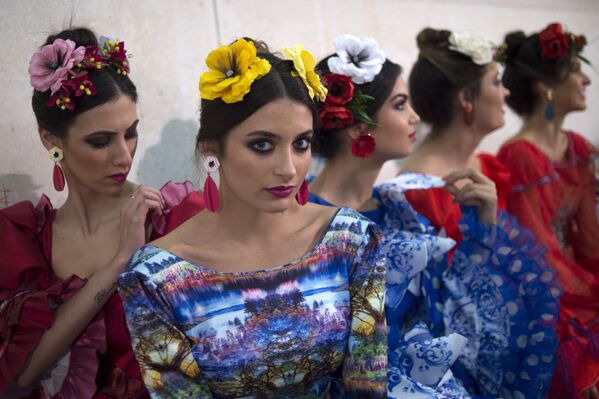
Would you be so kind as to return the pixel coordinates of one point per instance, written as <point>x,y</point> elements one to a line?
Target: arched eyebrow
<point>271,135</point>
<point>103,132</point>
<point>403,96</point>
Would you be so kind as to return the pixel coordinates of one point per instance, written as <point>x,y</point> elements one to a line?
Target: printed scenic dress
<point>308,329</point>
<point>558,202</point>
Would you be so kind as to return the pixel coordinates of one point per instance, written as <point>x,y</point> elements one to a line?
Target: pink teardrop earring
<point>56,156</point>
<point>211,193</point>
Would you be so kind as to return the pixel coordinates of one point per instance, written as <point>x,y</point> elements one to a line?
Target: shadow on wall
<point>173,158</point>
<point>17,187</point>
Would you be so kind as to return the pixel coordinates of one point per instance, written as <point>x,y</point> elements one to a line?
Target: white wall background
<point>168,41</point>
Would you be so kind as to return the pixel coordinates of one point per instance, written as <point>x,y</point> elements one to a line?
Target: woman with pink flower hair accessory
<point>62,327</point>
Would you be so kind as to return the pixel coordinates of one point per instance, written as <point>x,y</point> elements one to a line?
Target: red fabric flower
<point>554,42</point>
<point>341,88</point>
<point>335,117</point>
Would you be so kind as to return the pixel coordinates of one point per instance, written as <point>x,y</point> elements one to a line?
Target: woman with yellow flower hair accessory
<point>266,295</point>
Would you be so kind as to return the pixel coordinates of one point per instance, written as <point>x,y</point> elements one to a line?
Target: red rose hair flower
<point>341,88</point>
<point>335,117</point>
<point>554,42</point>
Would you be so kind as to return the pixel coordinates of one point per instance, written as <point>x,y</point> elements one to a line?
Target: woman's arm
<point>74,315</point>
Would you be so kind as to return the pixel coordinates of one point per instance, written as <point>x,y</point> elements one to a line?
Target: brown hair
<point>437,76</point>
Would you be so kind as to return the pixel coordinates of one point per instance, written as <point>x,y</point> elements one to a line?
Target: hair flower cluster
<point>343,105</point>
<point>232,70</point>
<point>479,49</point>
<point>359,58</point>
<point>555,42</point>
<point>113,52</point>
<point>50,65</point>
<point>64,69</point>
<point>304,64</point>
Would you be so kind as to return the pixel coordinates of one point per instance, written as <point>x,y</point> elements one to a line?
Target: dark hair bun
<point>429,39</point>
<point>514,41</point>
<point>81,37</point>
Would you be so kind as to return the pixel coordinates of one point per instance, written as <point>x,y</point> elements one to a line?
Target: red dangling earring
<point>56,156</point>
<point>302,195</point>
<point>363,146</point>
<point>211,194</point>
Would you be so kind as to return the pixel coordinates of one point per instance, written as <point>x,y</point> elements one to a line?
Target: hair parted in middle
<point>218,117</point>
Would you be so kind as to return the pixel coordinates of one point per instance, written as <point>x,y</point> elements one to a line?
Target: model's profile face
<point>489,105</point>
<point>396,131</point>
<point>569,95</point>
<point>266,158</point>
<point>100,145</point>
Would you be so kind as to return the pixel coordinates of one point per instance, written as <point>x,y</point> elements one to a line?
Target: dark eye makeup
<point>102,139</point>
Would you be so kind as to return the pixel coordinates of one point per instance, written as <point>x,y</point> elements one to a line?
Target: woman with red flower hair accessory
<point>486,296</point>
<point>553,176</point>
<point>62,325</point>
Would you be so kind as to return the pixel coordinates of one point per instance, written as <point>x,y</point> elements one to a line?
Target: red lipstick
<point>281,191</point>
<point>119,177</point>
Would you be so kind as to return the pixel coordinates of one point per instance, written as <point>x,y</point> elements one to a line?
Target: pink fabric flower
<point>50,65</point>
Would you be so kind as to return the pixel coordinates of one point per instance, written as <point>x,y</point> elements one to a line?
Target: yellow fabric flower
<point>304,64</point>
<point>233,69</point>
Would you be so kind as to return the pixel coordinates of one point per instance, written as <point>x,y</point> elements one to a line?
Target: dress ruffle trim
<point>182,202</point>
<point>528,293</point>
<point>26,317</point>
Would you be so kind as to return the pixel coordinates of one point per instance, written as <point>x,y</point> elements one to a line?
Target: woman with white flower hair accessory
<point>443,291</point>
<point>366,120</point>
<point>456,88</point>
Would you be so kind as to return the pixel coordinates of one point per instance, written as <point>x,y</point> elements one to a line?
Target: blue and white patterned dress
<point>497,298</point>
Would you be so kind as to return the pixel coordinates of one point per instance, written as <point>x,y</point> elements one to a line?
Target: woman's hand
<point>133,220</point>
<point>478,190</point>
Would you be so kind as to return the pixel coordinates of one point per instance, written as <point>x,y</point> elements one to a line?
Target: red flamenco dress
<point>100,363</point>
<point>557,201</point>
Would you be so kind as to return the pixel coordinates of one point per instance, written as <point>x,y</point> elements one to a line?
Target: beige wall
<point>169,40</point>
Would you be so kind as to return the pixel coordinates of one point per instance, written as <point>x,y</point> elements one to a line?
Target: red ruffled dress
<point>100,363</point>
<point>557,201</point>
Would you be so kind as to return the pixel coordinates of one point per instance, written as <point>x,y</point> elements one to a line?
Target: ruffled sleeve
<point>498,293</point>
<point>26,287</point>
<point>182,202</point>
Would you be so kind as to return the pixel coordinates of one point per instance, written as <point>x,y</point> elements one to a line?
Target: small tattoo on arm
<point>100,296</point>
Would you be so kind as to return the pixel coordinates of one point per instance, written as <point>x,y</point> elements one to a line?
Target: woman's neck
<point>540,130</point>
<point>444,151</point>
<point>347,181</point>
<point>85,211</point>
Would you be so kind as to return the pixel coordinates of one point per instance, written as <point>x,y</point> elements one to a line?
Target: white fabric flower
<point>361,59</point>
<point>469,43</point>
